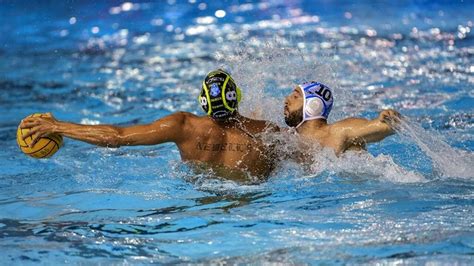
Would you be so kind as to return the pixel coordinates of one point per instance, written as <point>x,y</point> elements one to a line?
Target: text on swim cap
<point>231,96</point>
<point>203,101</point>
<point>321,91</point>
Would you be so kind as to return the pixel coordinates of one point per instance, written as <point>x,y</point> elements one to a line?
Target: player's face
<point>294,108</point>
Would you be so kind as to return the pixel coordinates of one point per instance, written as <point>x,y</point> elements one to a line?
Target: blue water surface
<point>124,63</point>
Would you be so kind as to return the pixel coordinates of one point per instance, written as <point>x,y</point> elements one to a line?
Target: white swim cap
<point>317,99</point>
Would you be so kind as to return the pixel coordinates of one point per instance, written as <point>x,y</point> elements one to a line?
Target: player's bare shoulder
<point>192,122</point>
<point>340,129</point>
<point>186,115</point>
<point>181,118</point>
<point>348,123</point>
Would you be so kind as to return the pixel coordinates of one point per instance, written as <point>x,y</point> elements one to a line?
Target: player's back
<point>234,145</point>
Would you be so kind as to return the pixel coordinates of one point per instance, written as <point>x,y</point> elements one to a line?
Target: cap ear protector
<point>219,96</point>
<point>317,101</point>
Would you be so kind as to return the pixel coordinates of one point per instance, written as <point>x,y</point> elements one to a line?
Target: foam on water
<point>447,161</point>
<point>137,205</point>
<point>312,161</point>
<point>364,165</point>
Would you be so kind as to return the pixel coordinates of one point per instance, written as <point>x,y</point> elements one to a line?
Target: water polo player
<point>307,109</point>
<point>223,139</point>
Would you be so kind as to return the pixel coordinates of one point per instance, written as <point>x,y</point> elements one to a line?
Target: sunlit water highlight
<point>409,200</point>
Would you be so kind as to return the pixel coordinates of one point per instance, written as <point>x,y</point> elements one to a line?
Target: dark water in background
<point>115,62</point>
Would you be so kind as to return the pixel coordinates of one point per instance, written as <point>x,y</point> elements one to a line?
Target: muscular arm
<point>357,130</point>
<point>167,129</point>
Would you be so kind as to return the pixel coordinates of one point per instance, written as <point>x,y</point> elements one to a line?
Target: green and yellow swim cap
<point>219,96</point>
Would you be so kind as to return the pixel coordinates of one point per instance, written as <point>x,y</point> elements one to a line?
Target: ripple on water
<point>408,203</point>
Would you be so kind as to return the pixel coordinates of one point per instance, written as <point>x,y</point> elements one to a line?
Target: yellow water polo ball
<point>44,148</point>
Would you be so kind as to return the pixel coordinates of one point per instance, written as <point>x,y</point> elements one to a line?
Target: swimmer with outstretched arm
<point>223,140</point>
<point>307,108</point>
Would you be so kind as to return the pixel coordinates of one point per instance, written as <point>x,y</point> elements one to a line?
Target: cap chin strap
<point>297,126</point>
<point>308,119</point>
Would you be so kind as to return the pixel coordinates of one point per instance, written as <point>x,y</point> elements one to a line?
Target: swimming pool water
<point>126,63</point>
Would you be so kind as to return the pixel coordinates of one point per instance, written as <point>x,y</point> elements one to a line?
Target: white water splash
<point>448,161</point>
<point>364,165</point>
<point>267,71</point>
<point>314,161</point>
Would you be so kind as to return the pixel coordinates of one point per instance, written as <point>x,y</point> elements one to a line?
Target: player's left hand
<point>390,117</point>
<point>40,126</point>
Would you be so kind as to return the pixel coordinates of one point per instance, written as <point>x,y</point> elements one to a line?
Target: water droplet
<point>220,13</point>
